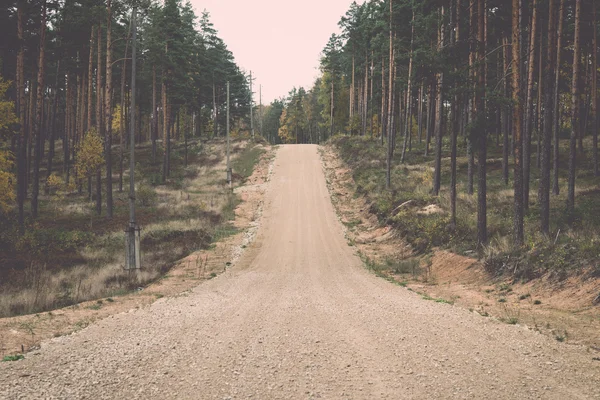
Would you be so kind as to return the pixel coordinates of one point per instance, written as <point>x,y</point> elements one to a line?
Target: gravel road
<point>299,317</point>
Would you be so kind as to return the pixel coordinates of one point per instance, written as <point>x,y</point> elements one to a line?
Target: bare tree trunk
<point>383,123</point>
<point>371,104</point>
<point>351,100</point>
<point>154,115</point>
<point>505,117</point>
<point>529,114</point>
<point>595,88</point>
<point>437,177</point>
<point>165,128</point>
<point>90,90</point>
<point>30,126</point>
<point>37,128</point>
<point>470,101</point>
<point>331,107</point>
<point>122,120</point>
<point>390,144</point>
<point>556,120</point>
<point>540,119</point>
<point>544,191</point>
<point>420,112</point>
<point>409,89</point>
<point>430,116</point>
<point>365,102</point>
<point>575,115</point>
<point>22,145</point>
<point>482,128</point>
<point>52,127</point>
<point>517,113</point>
<point>215,125</point>
<point>108,113</point>
<point>455,15</point>
<point>78,117</point>
<point>99,127</point>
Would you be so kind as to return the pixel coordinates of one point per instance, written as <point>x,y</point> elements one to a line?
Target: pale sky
<point>279,41</point>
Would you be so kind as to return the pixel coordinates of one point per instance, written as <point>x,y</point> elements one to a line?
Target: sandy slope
<point>299,317</point>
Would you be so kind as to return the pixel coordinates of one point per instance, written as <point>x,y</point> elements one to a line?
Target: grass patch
<point>15,357</point>
<point>572,248</point>
<point>244,164</point>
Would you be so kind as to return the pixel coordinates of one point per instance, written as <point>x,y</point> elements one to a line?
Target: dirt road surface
<point>298,317</point>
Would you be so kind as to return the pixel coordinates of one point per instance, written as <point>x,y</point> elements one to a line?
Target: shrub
<point>146,196</point>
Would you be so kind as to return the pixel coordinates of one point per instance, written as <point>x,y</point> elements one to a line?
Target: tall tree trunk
<point>52,127</point>
<point>365,101</point>
<point>79,116</point>
<point>214,91</point>
<point>99,91</point>
<point>22,145</point>
<point>185,142</point>
<point>165,127</point>
<point>544,191</point>
<point>505,114</point>
<point>352,96</point>
<point>482,128</point>
<point>575,113</point>
<point>556,119</point>
<point>430,116</point>
<point>527,134</point>
<point>30,126</point>
<point>390,144</point>
<point>420,112</point>
<point>455,15</point>
<point>154,115</point>
<point>370,104</point>
<point>470,101</point>
<point>517,129</point>
<point>331,107</point>
<point>90,90</point>
<point>123,115</point>
<point>595,88</point>
<point>66,127</point>
<point>540,119</point>
<point>409,89</point>
<point>39,114</point>
<point>437,177</point>
<point>108,113</point>
<point>383,124</point>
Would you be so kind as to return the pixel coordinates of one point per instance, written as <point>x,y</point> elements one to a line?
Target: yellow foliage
<point>284,130</point>
<point>7,108</point>
<point>7,182</point>
<point>116,121</point>
<point>90,154</point>
<point>54,183</point>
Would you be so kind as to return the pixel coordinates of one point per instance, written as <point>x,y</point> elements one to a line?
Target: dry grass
<point>186,213</point>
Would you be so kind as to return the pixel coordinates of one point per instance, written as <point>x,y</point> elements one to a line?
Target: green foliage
<point>146,195</point>
<point>43,242</point>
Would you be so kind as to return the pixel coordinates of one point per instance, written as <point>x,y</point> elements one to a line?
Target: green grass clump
<point>15,357</point>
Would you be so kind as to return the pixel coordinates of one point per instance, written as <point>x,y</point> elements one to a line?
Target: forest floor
<point>227,220</point>
<point>563,309</point>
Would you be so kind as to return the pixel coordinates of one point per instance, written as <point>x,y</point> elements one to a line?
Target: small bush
<point>146,196</point>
